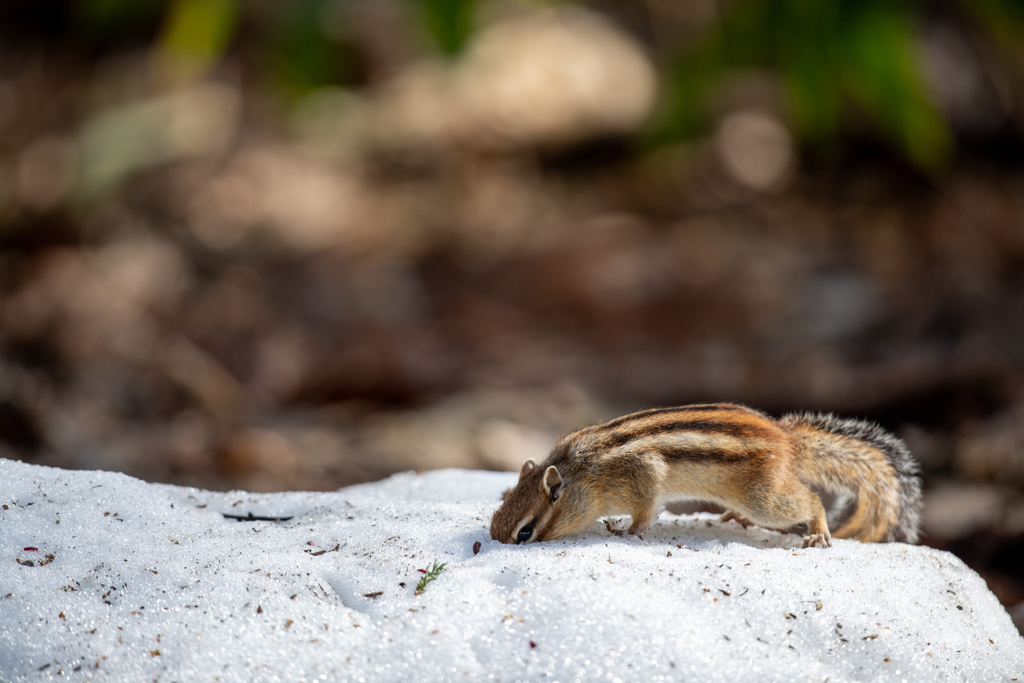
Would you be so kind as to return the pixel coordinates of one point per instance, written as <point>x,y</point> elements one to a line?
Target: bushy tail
<point>874,465</point>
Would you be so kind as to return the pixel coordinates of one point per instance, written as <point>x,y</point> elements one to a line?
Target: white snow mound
<point>109,578</point>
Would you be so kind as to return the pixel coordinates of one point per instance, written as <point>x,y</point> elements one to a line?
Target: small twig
<point>252,518</point>
<point>429,575</point>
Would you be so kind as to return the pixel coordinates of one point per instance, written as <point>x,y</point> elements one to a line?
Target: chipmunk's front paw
<point>639,530</point>
<point>818,541</point>
<point>617,532</point>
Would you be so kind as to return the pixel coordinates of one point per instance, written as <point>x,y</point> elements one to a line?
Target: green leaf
<point>429,575</point>
<point>199,30</point>
<point>302,56</point>
<point>449,22</point>
<point>838,61</point>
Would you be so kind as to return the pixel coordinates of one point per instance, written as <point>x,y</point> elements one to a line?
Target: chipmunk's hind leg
<point>791,506</point>
<point>730,516</point>
<point>817,526</point>
<point>802,505</point>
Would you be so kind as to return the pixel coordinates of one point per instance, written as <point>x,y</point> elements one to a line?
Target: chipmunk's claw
<point>817,541</point>
<point>639,531</point>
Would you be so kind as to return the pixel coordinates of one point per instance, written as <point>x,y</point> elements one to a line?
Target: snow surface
<point>152,582</point>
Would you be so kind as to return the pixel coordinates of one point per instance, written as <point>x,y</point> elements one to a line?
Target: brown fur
<point>763,471</point>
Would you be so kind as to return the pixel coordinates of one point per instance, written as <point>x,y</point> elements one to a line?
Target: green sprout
<point>429,575</point>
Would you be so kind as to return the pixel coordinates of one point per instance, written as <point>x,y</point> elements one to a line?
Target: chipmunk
<point>759,469</point>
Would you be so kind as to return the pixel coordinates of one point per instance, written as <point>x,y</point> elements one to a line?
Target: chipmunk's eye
<point>525,533</point>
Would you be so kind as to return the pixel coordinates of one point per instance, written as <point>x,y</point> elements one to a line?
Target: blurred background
<point>300,244</point>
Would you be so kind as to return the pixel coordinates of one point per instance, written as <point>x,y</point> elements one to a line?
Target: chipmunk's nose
<point>494,529</point>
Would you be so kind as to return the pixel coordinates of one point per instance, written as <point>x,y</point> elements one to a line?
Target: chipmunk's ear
<point>552,483</point>
<point>527,467</point>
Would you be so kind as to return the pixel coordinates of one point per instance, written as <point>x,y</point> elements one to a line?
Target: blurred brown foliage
<point>301,245</point>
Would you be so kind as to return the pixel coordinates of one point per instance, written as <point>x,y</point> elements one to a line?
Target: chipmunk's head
<point>529,510</point>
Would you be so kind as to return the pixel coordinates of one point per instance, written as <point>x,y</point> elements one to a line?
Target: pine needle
<point>429,575</point>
